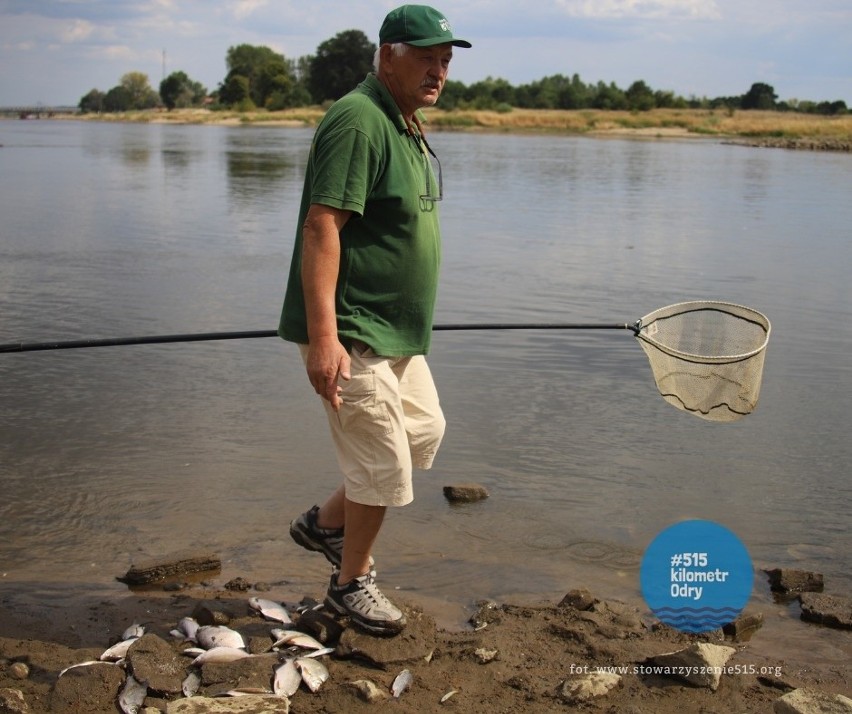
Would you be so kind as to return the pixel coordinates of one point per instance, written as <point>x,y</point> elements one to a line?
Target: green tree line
<point>259,77</point>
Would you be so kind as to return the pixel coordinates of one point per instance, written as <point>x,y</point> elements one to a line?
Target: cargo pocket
<point>362,412</point>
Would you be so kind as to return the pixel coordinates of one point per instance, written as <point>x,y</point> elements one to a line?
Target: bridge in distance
<point>36,112</point>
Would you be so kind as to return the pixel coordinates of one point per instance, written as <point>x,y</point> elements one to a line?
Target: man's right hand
<point>328,361</point>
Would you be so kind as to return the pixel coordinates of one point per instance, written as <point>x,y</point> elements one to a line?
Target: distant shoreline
<point>754,128</point>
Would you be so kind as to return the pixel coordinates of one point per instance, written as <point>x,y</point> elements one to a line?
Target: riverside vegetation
<point>753,127</point>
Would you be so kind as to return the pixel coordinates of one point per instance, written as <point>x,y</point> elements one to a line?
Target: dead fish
<point>401,683</point>
<point>118,651</point>
<point>294,638</point>
<point>211,636</point>
<point>449,695</point>
<point>220,654</point>
<point>270,610</point>
<point>287,679</point>
<point>190,685</point>
<point>132,696</point>
<point>314,672</point>
<point>193,651</point>
<point>319,653</point>
<point>246,692</point>
<point>187,627</point>
<point>135,630</point>
<point>87,663</point>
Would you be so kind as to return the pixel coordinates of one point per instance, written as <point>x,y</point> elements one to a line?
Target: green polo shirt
<point>364,160</point>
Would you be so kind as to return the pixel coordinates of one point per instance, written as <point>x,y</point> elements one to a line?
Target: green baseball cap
<point>418,25</point>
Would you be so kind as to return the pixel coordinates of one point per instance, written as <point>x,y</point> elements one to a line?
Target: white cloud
<point>245,8</point>
<point>77,31</point>
<point>649,9</point>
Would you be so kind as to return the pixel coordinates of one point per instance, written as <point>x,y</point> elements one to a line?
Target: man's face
<point>416,77</point>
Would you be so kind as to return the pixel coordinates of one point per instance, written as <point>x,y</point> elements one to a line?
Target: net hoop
<point>706,356</point>
<point>643,326</point>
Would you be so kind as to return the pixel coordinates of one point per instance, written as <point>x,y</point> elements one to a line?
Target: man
<point>360,301</point>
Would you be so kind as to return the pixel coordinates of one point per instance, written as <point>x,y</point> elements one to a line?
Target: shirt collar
<point>374,86</point>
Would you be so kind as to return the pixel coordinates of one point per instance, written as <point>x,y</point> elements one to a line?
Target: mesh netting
<point>707,357</point>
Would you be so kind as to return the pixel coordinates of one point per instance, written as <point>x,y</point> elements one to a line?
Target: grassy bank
<point>787,129</point>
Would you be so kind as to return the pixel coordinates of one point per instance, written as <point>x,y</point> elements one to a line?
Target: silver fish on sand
<point>314,672</point>
<point>287,678</point>
<point>193,651</point>
<point>318,653</point>
<point>87,663</point>
<point>190,685</point>
<point>132,696</point>
<point>294,638</point>
<point>401,683</point>
<point>118,650</point>
<point>270,610</point>
<point>135,630</point>
<point>210,636</point>
<point>247,692</point>
<point>186,629</point>
<point>220,654</point>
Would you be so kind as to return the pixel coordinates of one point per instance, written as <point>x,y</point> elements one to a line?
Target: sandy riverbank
<point>511,658</point>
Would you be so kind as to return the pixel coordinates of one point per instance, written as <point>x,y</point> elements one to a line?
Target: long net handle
<point>253,334</point>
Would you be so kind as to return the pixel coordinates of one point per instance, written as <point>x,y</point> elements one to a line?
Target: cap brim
<point>432,41</point>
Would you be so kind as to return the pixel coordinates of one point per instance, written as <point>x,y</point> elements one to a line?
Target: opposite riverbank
<point>754,128</point>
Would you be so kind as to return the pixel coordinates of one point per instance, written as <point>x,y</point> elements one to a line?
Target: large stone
<point>414,643</point>
<point>789,580</point>
<point>743,628</point>
<point>700,664</point>
<point>12,702</point>
<point>252,672</point>
<point>828,610</point>
<point>93,688</point>
<point>249,704</point>
<point>212,612</point>
<point>154,661</point>
<point>465,493</point>
<point>578,599</point>
<point>588,686</point>
<point>812,701</point>
<point>166,569</point>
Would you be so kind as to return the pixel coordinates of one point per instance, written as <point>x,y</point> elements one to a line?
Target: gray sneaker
<point>328,541</point>
<point>361,601</point>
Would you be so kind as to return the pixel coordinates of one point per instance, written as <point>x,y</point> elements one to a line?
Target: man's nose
<point>437,68</point>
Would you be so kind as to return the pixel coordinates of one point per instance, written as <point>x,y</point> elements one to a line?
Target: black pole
<point>253,334</point>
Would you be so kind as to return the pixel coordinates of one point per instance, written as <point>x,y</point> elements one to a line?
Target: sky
<point>52,52</point>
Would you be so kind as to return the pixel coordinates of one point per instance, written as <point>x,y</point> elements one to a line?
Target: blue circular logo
<point>696,576</point>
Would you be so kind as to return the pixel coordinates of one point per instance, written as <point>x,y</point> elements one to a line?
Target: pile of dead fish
<point>296,656</point>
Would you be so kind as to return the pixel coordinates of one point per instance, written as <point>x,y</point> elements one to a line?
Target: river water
<point>113,455</point>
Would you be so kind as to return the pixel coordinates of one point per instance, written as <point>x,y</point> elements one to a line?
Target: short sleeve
<point>345,168</point>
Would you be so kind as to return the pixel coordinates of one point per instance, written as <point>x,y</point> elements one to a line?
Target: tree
<point>640,97</point>
<point>178,90</point>
<point>608,96</point>
<point>760,96</point>
<point>257,73</point>
<point>140,93</point>
<point>234,90</point>
<point>339,64</point>
<point>92,102</point>
<point>117,99</point>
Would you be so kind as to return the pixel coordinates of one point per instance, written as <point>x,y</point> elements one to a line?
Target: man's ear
<point>385,56</point>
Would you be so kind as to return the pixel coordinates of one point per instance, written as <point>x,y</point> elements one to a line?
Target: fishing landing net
<point>706,357</point>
